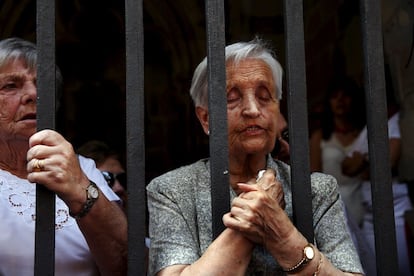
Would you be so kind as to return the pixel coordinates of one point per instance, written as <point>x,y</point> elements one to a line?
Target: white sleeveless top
<point>333,153</point>
<point>400,192</point>
<point>17,228</point>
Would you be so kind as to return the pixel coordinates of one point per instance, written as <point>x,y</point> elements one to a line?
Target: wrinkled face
<point>17,101</point>
<point>252,108</point>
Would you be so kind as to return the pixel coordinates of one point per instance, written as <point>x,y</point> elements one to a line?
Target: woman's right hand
<point>258,212</point>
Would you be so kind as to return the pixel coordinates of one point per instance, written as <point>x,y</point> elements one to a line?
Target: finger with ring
<point>38,165</point>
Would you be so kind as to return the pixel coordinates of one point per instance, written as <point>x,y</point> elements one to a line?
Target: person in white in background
<point>357,163</point>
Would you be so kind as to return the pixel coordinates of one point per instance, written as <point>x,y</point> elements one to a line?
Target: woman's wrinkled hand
<point>267,181</point>
<point>53,163</point>
<point>258,212</point>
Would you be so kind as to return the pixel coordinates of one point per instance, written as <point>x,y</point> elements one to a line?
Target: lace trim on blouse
<point>19,195</point>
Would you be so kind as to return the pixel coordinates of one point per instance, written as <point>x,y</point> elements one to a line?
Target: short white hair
<point>255,49</point>
<point>16,48</point>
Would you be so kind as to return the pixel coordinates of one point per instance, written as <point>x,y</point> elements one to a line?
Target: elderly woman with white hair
<point>259,238</point>
<point>90,227</point>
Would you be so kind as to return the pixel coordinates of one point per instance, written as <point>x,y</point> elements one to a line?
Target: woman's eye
<point>263,94</point>
<point>8,86</point>
<point>233,95</point>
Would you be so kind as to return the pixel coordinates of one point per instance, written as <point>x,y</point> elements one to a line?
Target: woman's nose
<point>29,92</point>
<point>251,106</point>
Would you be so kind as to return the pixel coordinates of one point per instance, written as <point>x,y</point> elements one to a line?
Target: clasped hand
<point>258,212</point>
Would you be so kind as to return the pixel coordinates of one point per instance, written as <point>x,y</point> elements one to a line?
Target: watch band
<point>306,259</point>
<point>92,194</point>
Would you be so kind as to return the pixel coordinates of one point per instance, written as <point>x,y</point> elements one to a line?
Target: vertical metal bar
<point>45,199</point>
<point>297,112</point>
<point>135,136</point>
<point>383,208</point>
<point>220,193</point>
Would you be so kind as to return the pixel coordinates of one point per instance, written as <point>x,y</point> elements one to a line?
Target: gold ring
<point>38,165</point>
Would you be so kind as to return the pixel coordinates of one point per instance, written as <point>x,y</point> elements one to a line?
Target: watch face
<point>309,252</point>
<point>93,192</point>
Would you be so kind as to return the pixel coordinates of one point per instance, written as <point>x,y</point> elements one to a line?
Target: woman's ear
<point>202,115</point>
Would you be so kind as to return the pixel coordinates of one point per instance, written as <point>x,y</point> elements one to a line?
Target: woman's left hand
<point>53,163</point>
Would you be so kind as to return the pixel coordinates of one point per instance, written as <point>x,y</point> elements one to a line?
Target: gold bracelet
<point>319,264</point>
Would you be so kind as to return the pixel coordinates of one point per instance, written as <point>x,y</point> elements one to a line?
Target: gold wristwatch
<point>308,255</point>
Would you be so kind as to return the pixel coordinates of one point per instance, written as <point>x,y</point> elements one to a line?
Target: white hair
<point>255,49</point>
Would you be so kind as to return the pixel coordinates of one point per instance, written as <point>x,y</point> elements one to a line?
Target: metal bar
<point>383,208</point>
<point>220,191</point>
<point>135,136</point>
<point>45,199</point>
<point>297,112</point>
